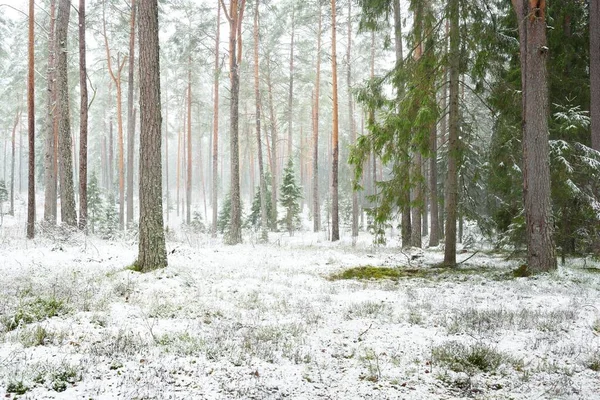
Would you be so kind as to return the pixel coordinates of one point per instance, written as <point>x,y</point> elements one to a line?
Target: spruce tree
<point>291,192</point>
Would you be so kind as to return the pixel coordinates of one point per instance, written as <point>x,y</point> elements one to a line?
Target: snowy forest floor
<point>268,322</point>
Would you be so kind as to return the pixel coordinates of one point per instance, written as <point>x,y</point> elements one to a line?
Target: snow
<point>257,321</point>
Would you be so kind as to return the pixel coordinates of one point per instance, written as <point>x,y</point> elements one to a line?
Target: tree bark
<point>263,184</point>
<point>188,192</point>
<point>215,149</point>
<point>235,16</point>
<point>12,163</point>
<point>316,205</point>
<point>130,116</point>
<point>434,232</point>
<point>453,140</point>
<point>67,195</point>
<point>541,255</point>
<point>31,127</point>
<point>83,120</point>
<point>118,86</point>
<point>335,225</point>
<point>351,119</point>
<point>291,92</point>
<point>274,164</point>
<point>50,187</point>
<point>595,73</point>
<point>152,250</point>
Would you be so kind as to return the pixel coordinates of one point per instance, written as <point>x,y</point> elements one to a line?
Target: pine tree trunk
<point>434,232</point>
<point>188,192</point>
<point>595,72</point>
<point>236,12</point>
<point>335,225</point>
<point>417,201</point>
<point>116,77</point>
<point>351,120</point>
<point>215,148</point>
<point>50,188</point>
<point>130,116</point>
<point>316,205</point>
<point>83,121</point>
<point>67,195</point>
<point>541,255</point>
<point>261,172</point>
<point>31,127</point>
<point>274,140</point>
<point>453,140</point>
<point>291,92</point>
<point>12,163</point>
<point>152,251</point>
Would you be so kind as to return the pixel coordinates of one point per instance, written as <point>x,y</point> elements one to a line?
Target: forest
<point>268,199</point>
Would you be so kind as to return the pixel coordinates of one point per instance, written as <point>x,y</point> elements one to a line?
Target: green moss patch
<point>370,272</point>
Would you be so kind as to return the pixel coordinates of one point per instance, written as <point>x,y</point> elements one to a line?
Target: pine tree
<point>290,194</point>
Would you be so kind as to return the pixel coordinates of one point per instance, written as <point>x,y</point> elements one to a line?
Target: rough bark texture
<point>261,170</point>
<point>291,92</point>
<point>67,195</point>
<point>417,201</point>
<point>335,224</point>
<point>83,120</point>
<point>50,188</point>
<point>316,205</point>
<point>152,251</point>
<point>130,115</point>
<point>434,232</point>
<point>351,118</point>
<point>541,255</point>
<point>274,140</point>
<point>453,143</point>
<point>188,186</point>
<point>31,128</point>
<point>12,163</point>
<point>215,149</point>
<point>595,72</point>
<point>235,16</point>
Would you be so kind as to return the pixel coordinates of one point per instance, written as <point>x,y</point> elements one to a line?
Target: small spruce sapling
<point>3,198</point>
<point>291,192</point>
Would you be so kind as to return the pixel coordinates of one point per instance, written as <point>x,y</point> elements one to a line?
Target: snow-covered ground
<point>259,321</point>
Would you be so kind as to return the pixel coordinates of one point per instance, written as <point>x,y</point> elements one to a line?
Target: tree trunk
<point>274,164</point>
<point>12,163</point>
<point>595,72</point>
<point>50,188</point>
<point>188,192</point>
<point>536,171</point>
<point>67,195</point>
<point>31,127</point>
<point>316,206</point>
<point>130,116</point>
<point>335,225</point>
<point>117,80</point>
<point>152,251</point>
<point>351,119</point>
<point>261,172</point>
<point>434,232</point>
<point>453,140</point>
<point>417,200</point>
<point>83,120</point>
<point>215,149</point>
<point>235,16</point>
<point>291,93</point>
